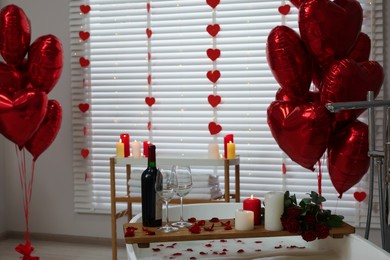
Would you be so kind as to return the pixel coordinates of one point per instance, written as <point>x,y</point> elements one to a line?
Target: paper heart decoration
<point>348,159</point>
<point>47,130</point>
<point>20,117</point>
<point>84,153</point>
<point>213,3</point>
<point>84,107</point>
<point>214,128</point>
<point>213,75</point>
<point>214,100</point>
<point>84,35</point>
<point>213,54</point>
<point>329,29</point>
<point>289,61</point>
<point>150,101</point>
<point>284,9</point>
<point>361,50</point>
<point>301,130</point>
<point>213,29</point>
<point>149,32</point>
<point>149,126</point>
<point>359,196</point>
<point>347,81</point>
<point>84,62</point>
<point>149,79</point>
<point>85,9</point>
<point>148,7</point>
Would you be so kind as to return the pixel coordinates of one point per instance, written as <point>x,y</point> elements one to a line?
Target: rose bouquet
<point>308,218</point>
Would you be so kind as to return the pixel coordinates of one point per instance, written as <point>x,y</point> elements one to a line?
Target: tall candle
<point>136,149</point>
<point>213,151</point>
<point>243,220</point>
<point>146,145</point>
<point>254,205</point>
<point>231,150</point>
<point>120,149</point>
<point>126,141</point>
<point>274,206</point>
<point>228,138</point>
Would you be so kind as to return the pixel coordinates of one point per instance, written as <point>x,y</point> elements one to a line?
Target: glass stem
<point>167,219</point>
<point>181,212</point>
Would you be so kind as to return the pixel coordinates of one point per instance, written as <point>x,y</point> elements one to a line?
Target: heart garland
<point>213,75</point>
<point>84,35</point>
<point>84,62</point>
<point>284,9</point>
<point>149,100</point>
<point>359,196</point>
<point>85,9</point>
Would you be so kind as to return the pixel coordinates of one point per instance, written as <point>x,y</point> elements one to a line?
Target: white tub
<point>351,247</point>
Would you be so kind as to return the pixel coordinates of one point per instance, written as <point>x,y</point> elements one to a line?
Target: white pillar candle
<point>274,206</point>
<point>213,151</point>
<point>136,149</point>
<point>244,220</point>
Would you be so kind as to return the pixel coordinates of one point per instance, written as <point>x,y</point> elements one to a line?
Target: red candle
<point>125,139</point>
<point>146,145</point>
<point>254,205</point>
<point>227,139</point>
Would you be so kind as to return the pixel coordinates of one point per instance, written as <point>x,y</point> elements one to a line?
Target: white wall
<point>51,210</point>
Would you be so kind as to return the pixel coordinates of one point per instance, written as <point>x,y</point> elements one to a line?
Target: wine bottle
<point>151,204</point>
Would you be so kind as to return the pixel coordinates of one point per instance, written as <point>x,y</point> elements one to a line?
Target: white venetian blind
<point>115,87</point>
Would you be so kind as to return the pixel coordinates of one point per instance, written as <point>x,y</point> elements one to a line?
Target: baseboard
<point>63,238</point>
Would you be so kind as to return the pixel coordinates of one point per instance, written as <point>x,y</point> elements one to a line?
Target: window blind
<point>114,86</point>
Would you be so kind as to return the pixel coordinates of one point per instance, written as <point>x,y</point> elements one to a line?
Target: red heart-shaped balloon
<point>348,159</point>
<point>329,28</point>
<point>150,101</point>
<point>213,29</point>
<point>214,128</point>
<point>311,96</point>
<point>301,130</point>
<point>47,130</point>
<point>297,3</point>
<point>15,34</point>
<point>214,100</point>
<point>347,81</point>
<point>45,62</point>
<point>213,75</point>
<point>20,117</point>
<point>213,54</point>
<point>289,61</point>
<point>11,80</point>
<point>359,196</point>
<point>361,50</point>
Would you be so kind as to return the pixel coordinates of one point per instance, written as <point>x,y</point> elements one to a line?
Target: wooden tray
<point>142,239</point>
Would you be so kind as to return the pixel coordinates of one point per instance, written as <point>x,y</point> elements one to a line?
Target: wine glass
<point>184,181</point>
<point>166,188</point>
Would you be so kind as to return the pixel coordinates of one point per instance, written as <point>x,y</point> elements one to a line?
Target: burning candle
<point>146,145</point>
<point>126,141</point>
<point>231,150</point>
<point>254,205</point>
<point>244,220</point>
<point>274,206</point>
<point>228,138</point>
<point>213,151</point>
<point>136,148</point>
<point>120,149</point>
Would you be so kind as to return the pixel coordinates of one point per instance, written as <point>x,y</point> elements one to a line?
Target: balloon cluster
<point>27,117</point>
<point>332,53</point>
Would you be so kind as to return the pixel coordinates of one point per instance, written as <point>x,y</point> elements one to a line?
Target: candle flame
<point>252,197</point>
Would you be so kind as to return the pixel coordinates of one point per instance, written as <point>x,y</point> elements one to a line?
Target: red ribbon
<point>26,251</point>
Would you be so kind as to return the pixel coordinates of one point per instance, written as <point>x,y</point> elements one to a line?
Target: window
<point>113,87</point>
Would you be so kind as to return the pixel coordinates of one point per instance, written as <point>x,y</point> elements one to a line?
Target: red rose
<point>309,235</point>
<point>293,225</point>
<point>322,231</point>
<point>310,219</point>
<point>294,212</point>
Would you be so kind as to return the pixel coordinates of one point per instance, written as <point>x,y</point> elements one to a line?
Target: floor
<point>50,250</point>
